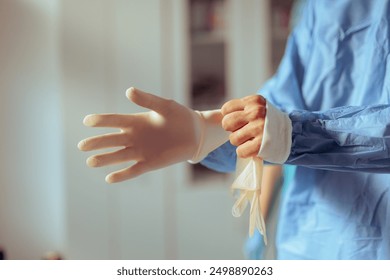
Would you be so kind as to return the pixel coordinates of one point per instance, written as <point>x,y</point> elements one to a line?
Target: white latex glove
<point>248,185</point>
<point>168,134</point>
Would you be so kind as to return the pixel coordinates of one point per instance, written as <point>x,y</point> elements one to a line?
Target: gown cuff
<point>276,143</point>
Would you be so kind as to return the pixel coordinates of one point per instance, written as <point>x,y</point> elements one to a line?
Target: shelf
<point>207,38</point>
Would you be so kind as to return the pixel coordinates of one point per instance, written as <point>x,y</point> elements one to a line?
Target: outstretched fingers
<point>109,120</point>
<point>147,100</point>
<point>116,157</point>
<point>111,140</point>
<point>127,173</point>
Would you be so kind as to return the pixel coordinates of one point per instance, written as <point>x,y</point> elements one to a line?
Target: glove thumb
<point>147,100</point>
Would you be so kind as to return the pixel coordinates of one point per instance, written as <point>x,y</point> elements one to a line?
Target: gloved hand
<point>245,119</point>
<point>258,128</point>
<point>168,134</point>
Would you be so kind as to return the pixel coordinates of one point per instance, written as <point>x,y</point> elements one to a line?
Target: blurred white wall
<point>63,59</point>
<point>31,125</point>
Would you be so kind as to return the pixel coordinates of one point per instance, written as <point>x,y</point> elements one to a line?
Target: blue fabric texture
<point>254,247</point>
<point>334,82</point>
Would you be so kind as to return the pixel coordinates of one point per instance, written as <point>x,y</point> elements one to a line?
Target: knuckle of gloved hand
<point>257,127</point>
<point>233,139</point>
<point>258,99</point>
<point>170,105</point>
<point>223,109</point>
<point>255,99</point>
<point>227,107</point>
<point>257,143</point>
<point>225,123</point>
<point>237,137</point>
<point>228,123</point>
<point>168,102</point>
<point>254,112</point>
<point>249,150</point>
<point>243,152</point>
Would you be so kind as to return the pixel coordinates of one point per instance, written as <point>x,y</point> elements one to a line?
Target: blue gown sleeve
<point>222,159</point>
<point>352,138</point>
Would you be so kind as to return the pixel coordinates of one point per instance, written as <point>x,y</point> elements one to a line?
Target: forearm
<point>345,138</point>
<point>272,175</point>
<point>222,159</point>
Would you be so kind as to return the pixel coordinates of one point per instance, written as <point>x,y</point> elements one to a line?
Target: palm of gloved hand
<point>152,140</point>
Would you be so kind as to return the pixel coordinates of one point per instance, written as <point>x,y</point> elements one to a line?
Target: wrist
<point>209,133</point>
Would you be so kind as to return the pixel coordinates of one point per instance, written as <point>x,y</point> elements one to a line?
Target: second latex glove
<point>168,134</point>
<point>248,185</point>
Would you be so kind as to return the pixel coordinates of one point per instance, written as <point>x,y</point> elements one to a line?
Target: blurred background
<point>63,59</point>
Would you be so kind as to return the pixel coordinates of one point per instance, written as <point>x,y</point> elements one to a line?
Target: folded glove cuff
<point>210,133</point>
<point>276,143</point>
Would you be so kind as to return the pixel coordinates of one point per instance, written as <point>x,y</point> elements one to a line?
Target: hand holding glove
<point>257,128</point>
<point>259,131</point>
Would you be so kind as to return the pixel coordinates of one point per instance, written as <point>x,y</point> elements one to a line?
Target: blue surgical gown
<point>334,82</point>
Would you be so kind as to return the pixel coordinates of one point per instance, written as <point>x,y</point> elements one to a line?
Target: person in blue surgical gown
<point>334,84</point>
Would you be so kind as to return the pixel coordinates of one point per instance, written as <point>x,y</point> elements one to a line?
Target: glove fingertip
<point>110,179</point>
<point>130,92</point>
<point>89,120</point>
<point>140,98</point>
